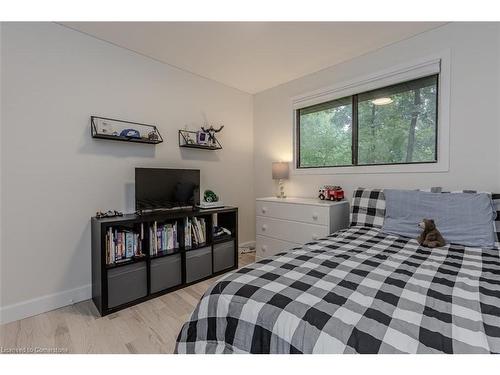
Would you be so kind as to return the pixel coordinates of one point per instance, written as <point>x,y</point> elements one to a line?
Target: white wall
<point>474,113</point>
<point>55,177</point>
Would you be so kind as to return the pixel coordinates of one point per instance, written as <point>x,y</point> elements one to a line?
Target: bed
<point>359,290</point>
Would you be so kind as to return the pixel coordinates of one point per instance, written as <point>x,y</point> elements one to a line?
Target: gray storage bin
<point>223,256</point>
<point>127,283</point>
<point>165,272</point>
<point>198,264</point>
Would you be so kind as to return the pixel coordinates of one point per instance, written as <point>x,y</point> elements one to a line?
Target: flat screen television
<point>161,188</point>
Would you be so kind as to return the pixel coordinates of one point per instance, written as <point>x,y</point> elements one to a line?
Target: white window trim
<point>398,74</point>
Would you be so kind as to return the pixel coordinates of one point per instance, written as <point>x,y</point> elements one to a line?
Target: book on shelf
<point>122,245</point>
<point>195,232</point>
<point>163,238</point>
<point>187,232</point>
<point>129,244</point>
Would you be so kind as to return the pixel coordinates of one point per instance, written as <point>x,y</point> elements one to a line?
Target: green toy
<point>209,196</point>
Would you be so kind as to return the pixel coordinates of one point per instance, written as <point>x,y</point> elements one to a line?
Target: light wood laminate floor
<point>150,327</point>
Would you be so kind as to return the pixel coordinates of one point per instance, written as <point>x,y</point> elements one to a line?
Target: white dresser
<point>285,223</point>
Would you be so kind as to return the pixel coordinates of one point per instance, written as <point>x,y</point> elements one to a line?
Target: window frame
<point>437,63</point>
<point>355,130</point>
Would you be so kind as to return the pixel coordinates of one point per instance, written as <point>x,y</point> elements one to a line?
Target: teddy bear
<point>430,237</point>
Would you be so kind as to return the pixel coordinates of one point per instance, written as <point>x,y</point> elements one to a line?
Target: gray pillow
<point>465,219</point>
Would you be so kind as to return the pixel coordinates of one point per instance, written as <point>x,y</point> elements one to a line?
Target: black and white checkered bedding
<point>368,208</point>
<point>357,291</point>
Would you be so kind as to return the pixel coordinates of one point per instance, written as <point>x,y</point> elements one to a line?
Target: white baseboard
<point>43,304</point>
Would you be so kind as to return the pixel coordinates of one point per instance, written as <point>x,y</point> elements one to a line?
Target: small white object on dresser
<point>284,223</point>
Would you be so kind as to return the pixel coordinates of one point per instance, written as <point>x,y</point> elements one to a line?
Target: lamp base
<point>281,195</point>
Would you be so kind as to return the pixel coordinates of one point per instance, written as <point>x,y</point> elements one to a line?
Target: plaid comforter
<point>357,291</point>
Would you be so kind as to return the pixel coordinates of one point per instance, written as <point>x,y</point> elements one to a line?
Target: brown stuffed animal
<point>430,237</point>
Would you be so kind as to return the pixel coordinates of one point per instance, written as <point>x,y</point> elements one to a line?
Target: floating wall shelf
<point>125,131</point>
<point>187,139</point>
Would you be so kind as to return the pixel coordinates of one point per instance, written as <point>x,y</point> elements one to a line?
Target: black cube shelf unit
<point>120,285</point>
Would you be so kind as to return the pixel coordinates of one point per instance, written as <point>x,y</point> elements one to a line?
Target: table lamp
<point>280,173</point>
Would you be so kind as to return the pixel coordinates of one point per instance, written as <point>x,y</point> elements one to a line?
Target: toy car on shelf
<point>332,193</point>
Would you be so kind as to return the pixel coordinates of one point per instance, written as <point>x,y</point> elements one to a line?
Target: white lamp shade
<point>280,170</point>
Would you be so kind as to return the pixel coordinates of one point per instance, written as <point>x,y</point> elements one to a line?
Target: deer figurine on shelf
<point>211,134</point>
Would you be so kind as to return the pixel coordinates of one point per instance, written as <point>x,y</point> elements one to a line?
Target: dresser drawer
<point>267,246</point>
<point>291,231</point>
<point>296,212</point>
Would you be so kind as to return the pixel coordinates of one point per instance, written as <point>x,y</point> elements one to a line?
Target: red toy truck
<point>332,193</point>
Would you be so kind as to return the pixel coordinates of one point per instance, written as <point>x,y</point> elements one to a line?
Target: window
<point>392,125</point>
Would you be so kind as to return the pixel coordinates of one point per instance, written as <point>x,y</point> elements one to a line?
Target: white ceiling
<point>252,56</point>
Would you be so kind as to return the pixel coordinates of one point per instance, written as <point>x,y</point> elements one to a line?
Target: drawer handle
<point>315,216</point>
<point>264,210</point>
<point>264,227</point>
